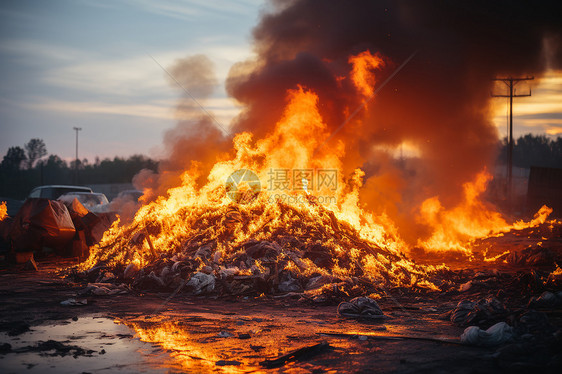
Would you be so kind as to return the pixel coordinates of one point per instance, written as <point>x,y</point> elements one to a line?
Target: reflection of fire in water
<point>306,238</point>
<point>182,346</point>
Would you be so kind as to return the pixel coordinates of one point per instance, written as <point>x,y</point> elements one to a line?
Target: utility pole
<point>76,162</point>
<point>511,83</point>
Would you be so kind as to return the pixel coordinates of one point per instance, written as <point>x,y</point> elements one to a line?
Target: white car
<point>53,191</point>
<point>93,201</point>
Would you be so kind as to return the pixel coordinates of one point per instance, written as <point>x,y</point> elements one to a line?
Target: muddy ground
<point>132,333</point>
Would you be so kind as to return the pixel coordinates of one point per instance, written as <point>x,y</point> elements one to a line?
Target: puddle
<point>201,343</point>
<point>90,344</point>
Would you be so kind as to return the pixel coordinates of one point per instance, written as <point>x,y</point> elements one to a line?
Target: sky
<point>88,64</point>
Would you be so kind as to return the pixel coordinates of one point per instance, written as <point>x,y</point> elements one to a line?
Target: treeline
<point>23,168</point>
<point>534,150</point>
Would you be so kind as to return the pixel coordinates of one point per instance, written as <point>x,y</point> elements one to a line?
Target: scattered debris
<point>31,265</point>
<point>298,355</point>
<point>102,289</point>
<point>130,271</point>
<point>74,302</point>
<point>387,337</point>
<point>498,334</point>
<point>532,256</point>
<point>228,363</point>
<point>547,300</point>
<point>533,322</point>
<point>361,307</point>
<point>465,286</point>
<point>224,334</point>
<point>484,311</point>
<point>201,283</point>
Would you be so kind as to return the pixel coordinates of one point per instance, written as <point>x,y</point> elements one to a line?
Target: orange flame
<point>241,201</point>
<point>362,72</point>
<point>209,213</point>
<point>453,229</point>
<point>3,210</point>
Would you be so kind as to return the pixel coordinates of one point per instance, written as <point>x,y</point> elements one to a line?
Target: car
<point>54,191</point>
<point>93,201</point>
<point>129,195</point>
<point>126,204</point>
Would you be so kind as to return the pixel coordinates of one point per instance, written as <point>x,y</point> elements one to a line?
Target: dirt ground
<point>131,333</point>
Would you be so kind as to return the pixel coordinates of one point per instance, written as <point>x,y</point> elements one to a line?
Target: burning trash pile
<point>253,248</point>
<point>238,238</point>
<point>304,233</point>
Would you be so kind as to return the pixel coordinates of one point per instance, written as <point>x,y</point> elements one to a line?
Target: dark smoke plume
<point>440,101</point>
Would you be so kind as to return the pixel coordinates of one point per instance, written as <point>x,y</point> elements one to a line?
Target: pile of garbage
<point>68,228</point>
<point>305,252</point>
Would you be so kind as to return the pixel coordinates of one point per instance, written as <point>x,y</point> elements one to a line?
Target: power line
<point>510,82</point>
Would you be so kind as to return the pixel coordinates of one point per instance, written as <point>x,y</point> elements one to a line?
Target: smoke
<point>195,142</point>
<point>439,102</point>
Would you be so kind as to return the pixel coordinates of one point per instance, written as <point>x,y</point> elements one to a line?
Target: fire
<point>3,210</point>
<point>289,191</point>
<point>362,76</point>
<point>290,215</point>
<point>453,229</point>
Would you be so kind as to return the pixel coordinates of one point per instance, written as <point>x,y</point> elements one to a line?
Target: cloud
<point>539,113</point>
<point>132,76</point>
<point>191,9</point>
<point>223,109</point>
<point>35,52</point>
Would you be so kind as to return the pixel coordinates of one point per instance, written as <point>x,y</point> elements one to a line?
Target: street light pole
<point>76,162</point>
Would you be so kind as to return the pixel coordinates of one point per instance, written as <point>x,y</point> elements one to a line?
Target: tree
<point>35,149</point>
<point>54,161</point>
<point>535,150</point>
<point>13,159</point>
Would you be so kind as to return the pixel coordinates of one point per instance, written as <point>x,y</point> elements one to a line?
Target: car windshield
<point>88,200</point>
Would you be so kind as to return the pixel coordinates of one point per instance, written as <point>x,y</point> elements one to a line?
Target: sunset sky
<point>87,64</point>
